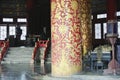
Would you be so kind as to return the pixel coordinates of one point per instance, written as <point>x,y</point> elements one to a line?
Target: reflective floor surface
<point>21,71</point>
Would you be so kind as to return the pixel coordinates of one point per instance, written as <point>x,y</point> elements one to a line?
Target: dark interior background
<point>37,13</point>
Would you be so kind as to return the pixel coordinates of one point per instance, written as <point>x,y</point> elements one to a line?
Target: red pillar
<point>111,9</point>
<point>30,11</point>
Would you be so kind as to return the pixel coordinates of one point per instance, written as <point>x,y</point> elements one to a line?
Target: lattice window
<point>98,31</point>
<point>21,20</point>
<point>104,29</point>
<point>99,16</point>
<point>11,30</point>
<point>118,29</point>
<point>118,13</point>
<point>3,32</point>
<point>24,32</point>
<point>7,19</point>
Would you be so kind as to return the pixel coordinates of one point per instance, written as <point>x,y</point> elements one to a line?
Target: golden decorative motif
<point>86,28</point>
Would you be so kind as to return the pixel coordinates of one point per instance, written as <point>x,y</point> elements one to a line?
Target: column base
<point>65,71</point>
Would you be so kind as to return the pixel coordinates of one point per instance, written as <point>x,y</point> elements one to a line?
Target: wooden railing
<point>40,44</point>
<point>4,45</point>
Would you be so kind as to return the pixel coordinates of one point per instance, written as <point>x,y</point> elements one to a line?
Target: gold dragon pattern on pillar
<point>86,26</point>
<point>65,37</point>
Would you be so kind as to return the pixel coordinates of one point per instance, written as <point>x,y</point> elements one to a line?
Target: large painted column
<point>86,26</point>
<point>65,37</point>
